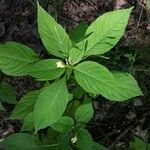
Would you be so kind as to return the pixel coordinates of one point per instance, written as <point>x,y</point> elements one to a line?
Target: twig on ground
<point>119,137</point>
<point>93,5</point>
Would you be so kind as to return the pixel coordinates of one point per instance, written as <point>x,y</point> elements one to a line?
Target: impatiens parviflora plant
<point>56,106</point>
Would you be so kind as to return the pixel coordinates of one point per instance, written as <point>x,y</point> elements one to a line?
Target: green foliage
<point>1,107</point>
<point>128,85</point>
<point>16,59</point>
<point>28,122</point>
<point>78,92</point>
<point>46,70</point>
<point>75,56</point>
<point>64,124</point>
<point>148,4</point>
<point>21,141</point>
<point>52,100</point>
<point>25,105</point>
<point>63,142</point>
<point>139,144</point>
<point>84,113</point>
<point>78,33</point>
<point>53,36</point>
<point>84,140</point>
<point>105,32</point>
<point>96,79</point>
<point>7,95</point>
<point>53,106</point>
<point>97,146</point>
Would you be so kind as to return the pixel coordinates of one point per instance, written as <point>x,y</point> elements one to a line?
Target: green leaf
<point>64,124</point>
<point>51,104</point>
<point>21,141</point>
<point>63,142</point>
<point>84,140</point>
<point>95,78</point>
<point>84,113</point>
<point>75,56</point>
<point>15,58</point>
<point>78,92</point>
<point>28,122</point>
<point>1,107</point>
<point>7,93</point>
<point>87,99</point>
<point>51,135</point>
<point>79,31</point>
<point>148,4</point>
<point>70,97</point>
<point>97,146</point>
<point>53,36</point>
<point>138,144</point>
<point>105,32</point>
<point>25,105</point>
<point>47,69</point>
<point>71,108</point>
<point>128,86</point>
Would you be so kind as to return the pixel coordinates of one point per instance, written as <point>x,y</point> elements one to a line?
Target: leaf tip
<point>38,3</point>
<point>130,9</point>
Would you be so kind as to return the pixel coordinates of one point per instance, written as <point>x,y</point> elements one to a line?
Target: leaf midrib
<point>92,77</point>
<point>20,59</point>
<point>97,43</point>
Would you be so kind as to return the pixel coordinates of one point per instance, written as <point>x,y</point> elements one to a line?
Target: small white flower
<point>74,140</point>
<point>60,64</point>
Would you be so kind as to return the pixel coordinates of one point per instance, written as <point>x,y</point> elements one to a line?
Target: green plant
<point>7,95</point>
<point>64,105</point>
<point>139,144</point>
<point>148,4</point>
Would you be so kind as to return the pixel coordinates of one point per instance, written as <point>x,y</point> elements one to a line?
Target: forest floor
<point>114,124</point>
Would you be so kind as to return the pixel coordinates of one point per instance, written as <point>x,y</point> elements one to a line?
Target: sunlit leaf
<point>51,104</point>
